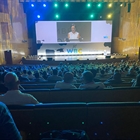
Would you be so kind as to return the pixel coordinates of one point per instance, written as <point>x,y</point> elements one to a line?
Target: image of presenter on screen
<point>73,35</point>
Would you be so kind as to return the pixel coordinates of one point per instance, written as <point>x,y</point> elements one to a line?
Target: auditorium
<point>69,69</point>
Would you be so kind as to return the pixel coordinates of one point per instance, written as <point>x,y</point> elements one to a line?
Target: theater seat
<point>24,119</point>
<point>61,116</point>
<point>114,120</point>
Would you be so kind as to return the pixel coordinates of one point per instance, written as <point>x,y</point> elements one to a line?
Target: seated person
<point>8,129</point>
<point>94,72</point>
<point>3,89</point>
<point>88,82</point>
<point>45,75</point>
<point>24,74</point>
<point>22,79</point>
<point>131,72</point>
<point>30,75</point>
<point>102,73</point>
<point>38,78</point>
<point>54,78</point>
<point>73,34</point>
<point>116,79</point>
<point>14,96</point>
<point>137,81</point>
<point>66,83</point>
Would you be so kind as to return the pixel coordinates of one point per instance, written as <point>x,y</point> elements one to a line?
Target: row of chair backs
<point>77,95</point>
<point>52,85</point>
<point>102,120</point>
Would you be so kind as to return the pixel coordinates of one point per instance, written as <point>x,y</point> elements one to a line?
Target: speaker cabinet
<point>129,7</point>
<point>8,57</point>
<point>108,56</point>
<point>49,59</point>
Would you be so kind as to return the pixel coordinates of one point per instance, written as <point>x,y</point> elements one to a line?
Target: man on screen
<point>73,34</point>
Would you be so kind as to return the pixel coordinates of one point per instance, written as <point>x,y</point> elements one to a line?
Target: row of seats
<point>84,95</point>
<point>52,85</point>
<point>100,120</point>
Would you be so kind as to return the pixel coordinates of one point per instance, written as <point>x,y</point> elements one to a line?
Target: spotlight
<point>57,16</point>
<point>66,5</point>
<point>44,5</point>
<point>109,15</point>
<point>91,16</point>
<point>99,5</point>
<point>88,5</point>
<point>32,5</point>
<point>38,16</point>
<point>55,5</point>
<point>110,5</point>
<point>121,5</point>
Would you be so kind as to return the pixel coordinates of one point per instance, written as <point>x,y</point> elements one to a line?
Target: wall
<point>13,30</point>
<point>128,39</point>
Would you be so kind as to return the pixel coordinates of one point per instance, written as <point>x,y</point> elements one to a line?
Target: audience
<point>22,79</point>
<point>24,74</point>
<point>54,78</point>
<point>115,79</point>
<point>8,129</point>
<point>3,89</point>
<point>118,72</point>
<point>38,78</point>
<point>66,83</point>
<point>30,76</point>
<point>14,95</point>
<point>88,82</point>
<point>136,82</point>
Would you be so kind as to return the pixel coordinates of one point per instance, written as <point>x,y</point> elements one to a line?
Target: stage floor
<point>79,57</point>
<point>55,60</point>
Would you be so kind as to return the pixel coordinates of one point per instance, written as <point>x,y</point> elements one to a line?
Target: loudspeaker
<point>49,59</point>
<point>139,54</point>
<point>8,57</point>
<point>129,7</point>
<point>108,56</point>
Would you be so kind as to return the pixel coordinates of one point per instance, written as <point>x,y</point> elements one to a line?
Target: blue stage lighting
<point>44,5</point>
<point>32,5</point>
<point>38,16</point>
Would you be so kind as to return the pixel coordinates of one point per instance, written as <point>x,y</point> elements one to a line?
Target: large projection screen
<point>55,32</point>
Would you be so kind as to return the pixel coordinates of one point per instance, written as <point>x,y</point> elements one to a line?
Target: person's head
<point>88,76</point>
<point>94,72</point>
<point>37,75</point>
<point>55,71</point>
<point>60,73</point>
<point>102,71</point>
<point>44,73</point>
<point>117,76</point>
<point>138,80</point>
<point>2,77</point>
<point>29,73</point>
<point>24,71</point>
<point>68,77</point>
<point>73,28</point>
<point>11,81</point>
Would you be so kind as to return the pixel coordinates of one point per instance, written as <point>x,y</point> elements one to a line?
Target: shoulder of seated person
<point>59,82</point>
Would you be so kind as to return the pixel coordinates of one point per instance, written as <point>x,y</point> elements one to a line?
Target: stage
<point>73,59</point>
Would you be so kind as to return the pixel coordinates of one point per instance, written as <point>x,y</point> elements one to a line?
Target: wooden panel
<point>13,19</point>
<point>128,41</point>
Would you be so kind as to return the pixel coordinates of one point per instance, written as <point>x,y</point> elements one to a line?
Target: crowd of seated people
<point>86,75</point>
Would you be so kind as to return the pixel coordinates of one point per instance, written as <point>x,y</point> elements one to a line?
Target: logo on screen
<point>79,51</point>
<point>106,37</point>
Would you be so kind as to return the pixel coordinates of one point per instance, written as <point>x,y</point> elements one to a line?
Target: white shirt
<point>16,97</point>
<point>92,85</point>
<point>73,35</point>
<point>31,77</point>
<point>63,85</point>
